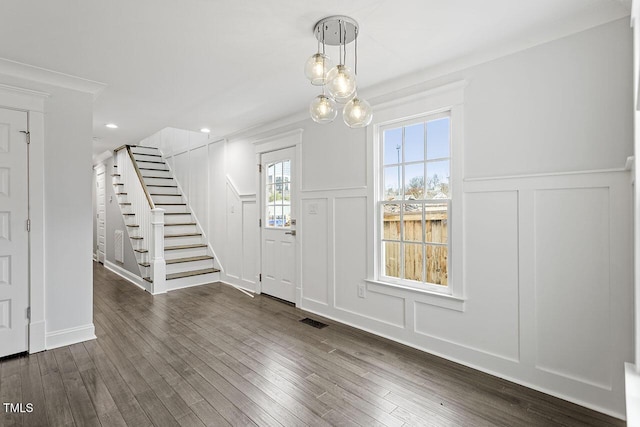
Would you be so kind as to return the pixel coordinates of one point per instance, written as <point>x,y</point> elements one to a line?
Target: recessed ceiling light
<point>112,126</point>
<point>205,130</point>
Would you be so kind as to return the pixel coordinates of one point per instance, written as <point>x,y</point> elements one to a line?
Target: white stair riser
<point>142,257</point>
<point>180,229</point>
<point>173,219</point>
<point>144,150</point>
<point>163,190</point>
<point>180,241</point>
<point>170,198</point>
<point>143,157</point>
<point>193,281</point>
<point>185,253</point>
<point>173,208</point>
<point>159,181</point>
<point>156,173</point>
<point>181,267</point>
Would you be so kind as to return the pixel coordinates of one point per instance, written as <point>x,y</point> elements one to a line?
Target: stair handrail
<point>135,166</point>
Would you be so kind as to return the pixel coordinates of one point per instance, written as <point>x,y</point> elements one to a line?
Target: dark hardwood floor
<point>212,356</point>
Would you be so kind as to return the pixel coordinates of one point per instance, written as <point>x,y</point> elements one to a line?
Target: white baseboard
<point>632,394</point>
<point>37,336</point>
<point>70,336</point>
<point>239,283</point>
<point>127,275</point>
<point>95,256</point>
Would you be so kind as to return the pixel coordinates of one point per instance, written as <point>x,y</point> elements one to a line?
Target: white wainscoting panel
<point>199,185</point>
<point>315,250</point>
<point>572,262</point>
<point>250,242</point>
<point>490,322</point>
<point>181,171</point>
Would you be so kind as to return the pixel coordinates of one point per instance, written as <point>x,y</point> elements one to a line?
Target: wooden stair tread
<point>194,246</point>
<point>180,223</point>
<point>163,194</point>
<point>168,236</point>
<point>144,264</point>
<point>177,213</point>
<point>118,183</point>
<point>132,225</point>
<point>121,194</point>
<point>129,214</point>
<point>115,174</point>
<point>136,238</point>
<point>188,259</point>
<point>171,204</point>
<point>163,186</point>
<point>143,146</point>
<point>125,203</point>
<point>148,279</point>
<point>154,169</point>
<point>141,251</point>
<point>158,177</point>
<point>149,161</point>
<point>145,154</point>
<point>191,273</point>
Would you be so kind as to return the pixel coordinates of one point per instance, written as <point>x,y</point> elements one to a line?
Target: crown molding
<point>49,77</point>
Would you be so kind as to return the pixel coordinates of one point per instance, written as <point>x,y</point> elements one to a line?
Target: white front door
<point>100,214</point>
<point>279,224</point>
<point>14,238</point>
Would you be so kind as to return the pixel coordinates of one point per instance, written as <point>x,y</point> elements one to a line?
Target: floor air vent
<point>314,323</point>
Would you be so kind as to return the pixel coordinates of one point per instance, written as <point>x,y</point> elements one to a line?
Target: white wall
<point>115,221</point>
<point>547,250</point>
<point>68,217</point>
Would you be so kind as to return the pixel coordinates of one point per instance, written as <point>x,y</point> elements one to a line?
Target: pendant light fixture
<point>339,82</point>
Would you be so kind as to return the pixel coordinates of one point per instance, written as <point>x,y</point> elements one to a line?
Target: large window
<point>415,202</point>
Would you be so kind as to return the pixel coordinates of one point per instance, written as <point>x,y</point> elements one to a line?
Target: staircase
<point>167,240</point>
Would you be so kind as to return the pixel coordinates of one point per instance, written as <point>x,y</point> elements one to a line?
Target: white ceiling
<point>231,65</point>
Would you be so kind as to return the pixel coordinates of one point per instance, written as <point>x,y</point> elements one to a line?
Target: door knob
<point>292,232</point>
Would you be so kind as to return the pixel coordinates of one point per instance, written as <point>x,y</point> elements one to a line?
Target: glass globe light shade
<point>316,68</point>
<point>341,83</point>
<point>357,113</point>
<point>323,109</point>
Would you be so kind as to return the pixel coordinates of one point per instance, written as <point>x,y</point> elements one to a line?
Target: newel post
<point>156,252</point>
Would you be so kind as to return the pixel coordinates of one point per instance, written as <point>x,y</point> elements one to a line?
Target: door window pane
<point>278,194</point>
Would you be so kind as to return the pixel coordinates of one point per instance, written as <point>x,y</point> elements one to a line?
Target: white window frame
<point>400,112</point>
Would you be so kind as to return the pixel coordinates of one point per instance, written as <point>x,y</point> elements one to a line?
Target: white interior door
<point>14,238</point>
<point>100,214</point>
<point>278,224</point>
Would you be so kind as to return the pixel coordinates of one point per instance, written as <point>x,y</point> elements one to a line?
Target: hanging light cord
<point>355,55</point>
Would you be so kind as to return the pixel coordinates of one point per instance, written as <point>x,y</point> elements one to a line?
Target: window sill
<point>418,295</point>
